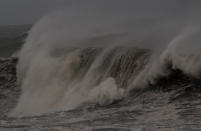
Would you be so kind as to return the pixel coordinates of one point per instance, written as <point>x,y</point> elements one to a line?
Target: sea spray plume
<point>48,60</point>
<point>41,74</point>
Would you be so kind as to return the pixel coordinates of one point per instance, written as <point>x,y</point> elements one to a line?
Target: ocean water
<point>172,103</point>
<point>121,66</point>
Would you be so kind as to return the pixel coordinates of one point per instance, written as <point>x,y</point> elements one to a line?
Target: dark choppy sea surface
<point>172,103</point>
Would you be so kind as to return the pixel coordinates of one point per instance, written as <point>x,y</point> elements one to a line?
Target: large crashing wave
<point>69,60</point>
<point>83,75</point>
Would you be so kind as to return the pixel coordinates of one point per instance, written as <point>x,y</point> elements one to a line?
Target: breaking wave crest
<point>52,82</point>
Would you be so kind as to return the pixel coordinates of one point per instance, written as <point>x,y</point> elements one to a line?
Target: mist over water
<point>72,56</point>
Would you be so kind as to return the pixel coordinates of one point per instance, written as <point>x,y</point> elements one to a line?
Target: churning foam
<point>182,53</point>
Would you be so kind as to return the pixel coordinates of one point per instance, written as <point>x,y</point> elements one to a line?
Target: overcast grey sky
<point>27,11</point>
